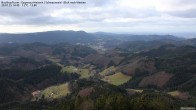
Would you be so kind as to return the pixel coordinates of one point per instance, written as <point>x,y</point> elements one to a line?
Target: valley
<point>96,71</point>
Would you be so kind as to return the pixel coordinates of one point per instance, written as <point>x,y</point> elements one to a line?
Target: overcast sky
<point>132,16</point>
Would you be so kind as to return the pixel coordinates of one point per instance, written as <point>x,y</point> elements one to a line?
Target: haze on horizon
<point>116,16</point>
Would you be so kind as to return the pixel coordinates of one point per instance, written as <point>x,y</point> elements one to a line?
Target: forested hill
<point>76,37</point>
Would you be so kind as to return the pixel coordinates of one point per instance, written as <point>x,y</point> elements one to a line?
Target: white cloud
<point>103,15</point>
<point>136,3</point>
<point>174,5</point>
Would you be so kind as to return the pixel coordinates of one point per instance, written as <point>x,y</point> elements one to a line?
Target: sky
<point>117,16</point>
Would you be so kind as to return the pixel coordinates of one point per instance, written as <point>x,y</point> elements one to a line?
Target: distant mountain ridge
<point>74,37</point>
<point>47,37</point>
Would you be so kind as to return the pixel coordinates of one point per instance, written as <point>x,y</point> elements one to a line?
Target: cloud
<point>103,14</point>
<point>185,14</point>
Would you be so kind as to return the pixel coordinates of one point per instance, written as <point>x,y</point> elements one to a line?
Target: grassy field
<point>117,78</point>
<point>69,69</point>
<point>55,92</point>
<point>108,71</point>
<point>84,73</point>
<point>54,60</point>
<point>178,94</point>
<point>174,93</point>
<point>133,91</point>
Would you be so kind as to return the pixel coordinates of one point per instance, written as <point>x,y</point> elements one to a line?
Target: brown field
<point>130,68</point>
<point>142,64</point>
<point>85,92</point>
<point>158,79</point>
